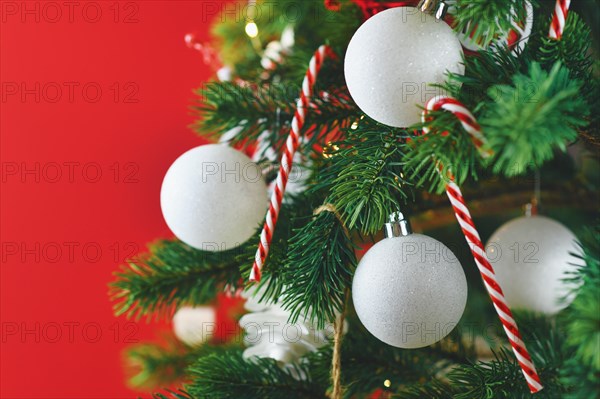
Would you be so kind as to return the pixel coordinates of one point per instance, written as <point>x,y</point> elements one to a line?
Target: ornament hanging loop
<point>532,208</point>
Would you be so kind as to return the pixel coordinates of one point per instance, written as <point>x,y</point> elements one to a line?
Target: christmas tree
<point>354,117</point>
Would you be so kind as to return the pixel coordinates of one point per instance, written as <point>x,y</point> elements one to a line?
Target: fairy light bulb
<point>251,29</point>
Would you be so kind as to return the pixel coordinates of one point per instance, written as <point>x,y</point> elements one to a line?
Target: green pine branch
<point>313,25</point>
<point>172,274</point>
<point>154,365</point>
<point>170,394</point>
<point>368,363</point>
<point>363,175</point>
<point>319,270</point>
<point>501,378</point>
<point>572,50</point>
<point>291,216</point>
<point>447,150</point>
<point>270,108</point>
<point>530,119</point>
<point>434,389</point>
<point>229,375</point>
<point>485,20</point>
<point>582,370</point>
<point>482,71</point>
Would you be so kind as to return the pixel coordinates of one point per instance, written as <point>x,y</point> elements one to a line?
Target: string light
<point>330,149</point>
<point>387,383</point>
<point>251,29</point>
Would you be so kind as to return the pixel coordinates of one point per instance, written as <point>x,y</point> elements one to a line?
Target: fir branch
<point>229,375</point>
<point>584,381</point>
<point>172,274</point>
<point>528,120</point>
<point>291,216</point>
<point>226,105</point>
<point>363,175</point>
<point>311,21</point>
<point>319,270</point>
<point>485,20</point>
<point>502,377</point>
<point>588,271</point>
<point>154,365</point>
<point>482,71</point>
<point>446,150</point>
<point>170,394</point>
<point>241,52</point>
<point>572,50</point>
<point>581,371</point>
<point>367,363</point>
<point>270,108</point>
<point>583,330</point>
<point>434,389</point>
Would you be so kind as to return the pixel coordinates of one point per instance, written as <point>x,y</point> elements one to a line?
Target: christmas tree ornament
<point>276,50</point>
<point>394,58</point>
<point>269,335</point>
<point>213,197</point>
<point>532,255</point>
<point>230,134</point>
<point>409,290</point>
<point>463,216</point>
<point>285,166</point>
<point>194,325</point>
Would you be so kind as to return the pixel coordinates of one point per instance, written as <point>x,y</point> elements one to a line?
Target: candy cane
<point>467,120</point>
<point>291,145</point>
<point>467,226</point>
<point>559,16</point>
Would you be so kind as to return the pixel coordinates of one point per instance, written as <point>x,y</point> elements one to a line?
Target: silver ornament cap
<point>435,7</point>
<point>397,226</point>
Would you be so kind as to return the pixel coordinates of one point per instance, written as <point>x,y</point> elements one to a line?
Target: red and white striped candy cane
<point>291,145</point>
<point>467,120</point>
<point>559,16</point>
<point>477,249</point>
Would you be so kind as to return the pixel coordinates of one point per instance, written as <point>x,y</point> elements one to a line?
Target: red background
<point>59,337</point>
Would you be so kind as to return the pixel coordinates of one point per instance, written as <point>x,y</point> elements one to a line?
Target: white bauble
<point>409,291</point>
<point>269,335</point>
<point>194,325</point>
<point>392,60</point>
<point>531,256</point>
<point>213,197</point>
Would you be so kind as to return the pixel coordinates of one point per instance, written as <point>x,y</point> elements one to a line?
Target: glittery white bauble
<point>194,325</point>
<point>269,335</point>
<point>531,256</point>
<point>213,197</point>
<point>393,59</point>
<point>409,291</point>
